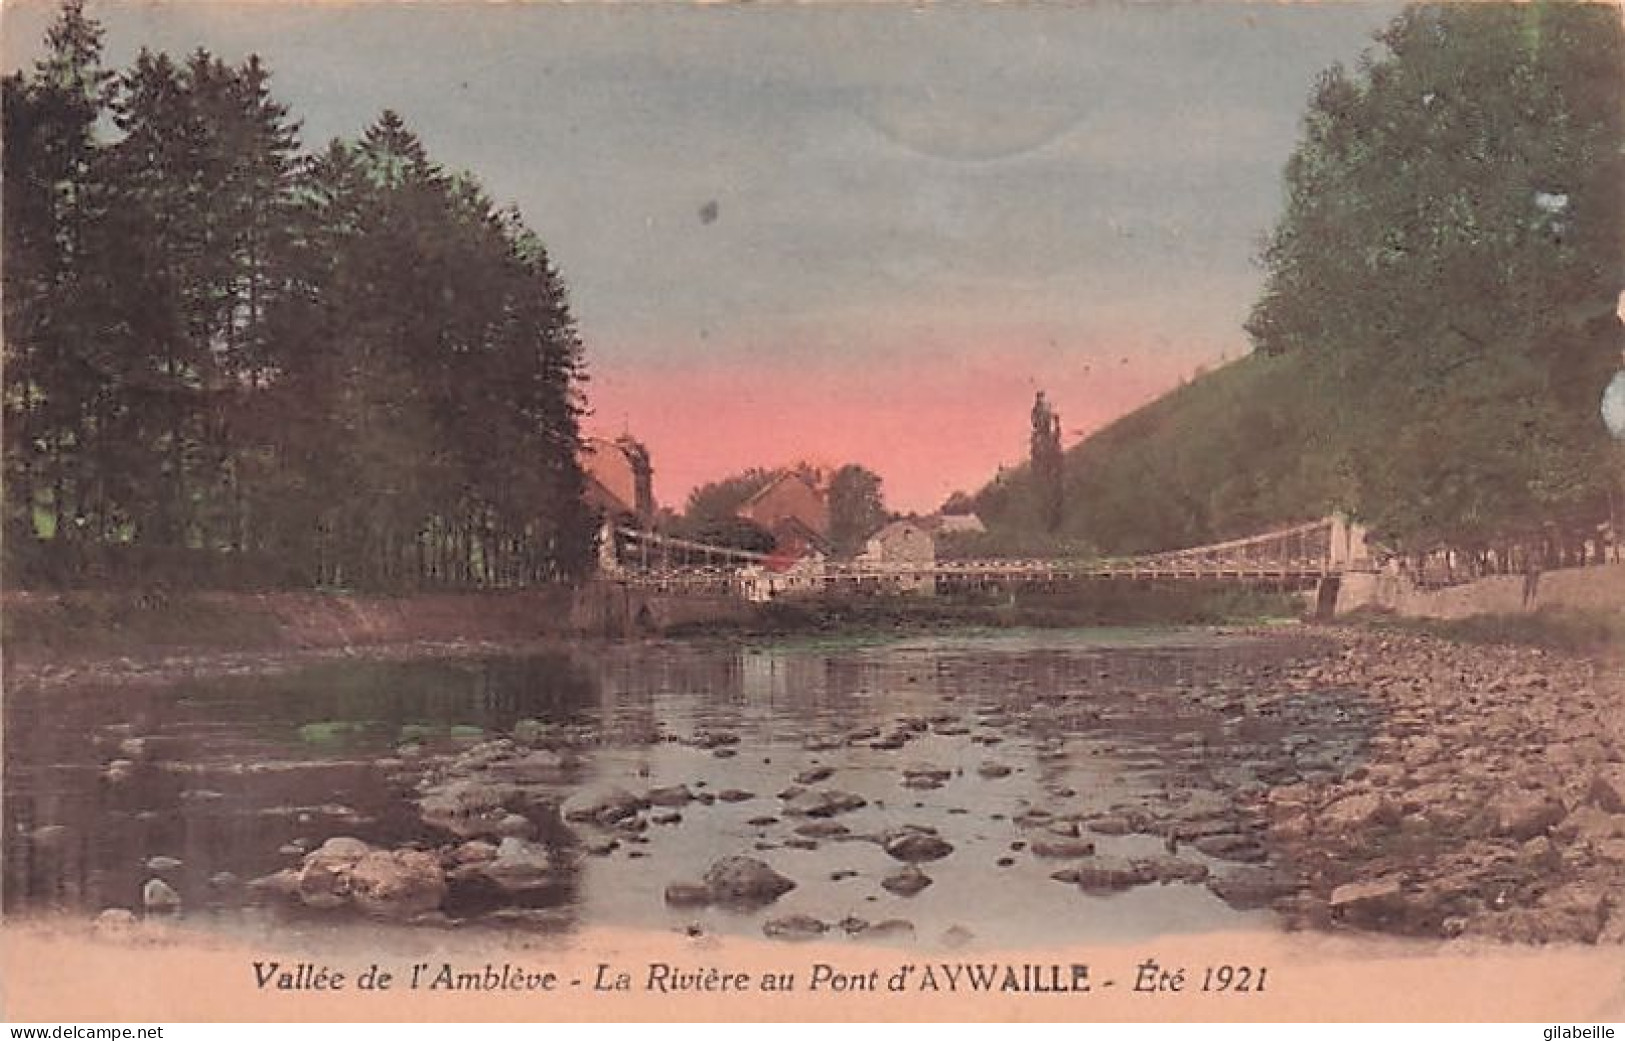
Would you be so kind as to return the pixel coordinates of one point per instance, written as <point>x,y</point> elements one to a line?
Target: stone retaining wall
<point>1601,587</point>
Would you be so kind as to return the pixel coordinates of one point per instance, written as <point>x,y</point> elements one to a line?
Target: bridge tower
<point>1348,550</point>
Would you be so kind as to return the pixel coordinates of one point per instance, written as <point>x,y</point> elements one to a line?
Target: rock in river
<point>323,879</point>
<point>1608,789</point>
<point>537,766</point>
<point>687,894</point>
<point>158,897</point>
<point>397,884</point>
<point>915,846</point>
<point>794,927</point>
<point>603,805</point>
<point>745,881</point>
<point>906,882</point>
<point>388,884</point>
<point>1111,824</point>
<point>115,923</point>
<point>466,806</point>
<point>1361,810</point>
<point>1248,889</point>
<point>1172,869</point>
<point>1060,848</point>
<point>1231,846</point>
<point>1109,873</point>
<point>1368,903</point>
<point>925,778</point>
<point>676,795</point>
<point>518,867</point>
<point>825,803</point>
<point>1525,814</point>
<point>822,829</point>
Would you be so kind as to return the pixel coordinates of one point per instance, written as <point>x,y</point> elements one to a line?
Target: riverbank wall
<point>1597,588</point>
<point>57,626</point>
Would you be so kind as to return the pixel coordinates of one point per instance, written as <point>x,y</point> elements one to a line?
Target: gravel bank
<point>1491,802</point>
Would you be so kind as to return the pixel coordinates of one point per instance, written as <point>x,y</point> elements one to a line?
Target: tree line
<point>232,362</point>
<point>1437,321</point>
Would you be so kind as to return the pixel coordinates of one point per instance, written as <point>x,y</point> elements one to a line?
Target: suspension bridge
<point>1301,557</point>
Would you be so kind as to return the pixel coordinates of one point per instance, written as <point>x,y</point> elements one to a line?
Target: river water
<point>1139,741</point>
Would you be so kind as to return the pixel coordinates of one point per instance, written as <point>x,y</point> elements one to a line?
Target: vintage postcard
<point>830,511</point>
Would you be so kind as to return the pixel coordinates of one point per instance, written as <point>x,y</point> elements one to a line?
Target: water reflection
<point>1033,735</point>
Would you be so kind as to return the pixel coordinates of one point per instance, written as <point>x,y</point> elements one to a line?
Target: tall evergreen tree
<point>204,176</point>
<point>227,359</point>
<point>55,373</point>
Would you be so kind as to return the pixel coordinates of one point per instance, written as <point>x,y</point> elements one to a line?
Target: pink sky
<point>928,430</point>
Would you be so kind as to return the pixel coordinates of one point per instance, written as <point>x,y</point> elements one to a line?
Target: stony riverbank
<point>1492,803</point>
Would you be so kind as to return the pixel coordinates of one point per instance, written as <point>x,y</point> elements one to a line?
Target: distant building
<point>954,524</point>
<point>904,546</point>
<point>620,479</point>
<point>799,494</point>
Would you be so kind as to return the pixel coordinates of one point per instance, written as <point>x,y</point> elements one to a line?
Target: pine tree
<point>226,361</point>
<point>55,378</point>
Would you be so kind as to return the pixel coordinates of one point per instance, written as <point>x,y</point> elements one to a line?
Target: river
<point>1008,746</point>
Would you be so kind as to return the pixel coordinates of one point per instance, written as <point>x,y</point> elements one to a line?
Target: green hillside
<point>1235,451</point>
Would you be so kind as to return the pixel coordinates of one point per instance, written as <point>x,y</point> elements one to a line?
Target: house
<point>796,494</point>
<point>619,479</point>
<point>907,547</point>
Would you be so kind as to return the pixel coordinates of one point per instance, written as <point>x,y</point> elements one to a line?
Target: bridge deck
<point>1300,554</point>
<point>982,573</point>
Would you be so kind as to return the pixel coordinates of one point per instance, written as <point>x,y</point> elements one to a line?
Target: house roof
<point>795,527</point>
<point>597,494</point>
<point>898,527</point>
<point>789,473</point>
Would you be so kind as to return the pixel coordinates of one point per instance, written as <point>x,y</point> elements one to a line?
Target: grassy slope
<point>1235,451</point>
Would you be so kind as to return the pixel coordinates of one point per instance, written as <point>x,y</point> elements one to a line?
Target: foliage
<point>856,508</point>
<point>721,500</point>
<point>1010,541</point>
<point>1437,319</point>
<point>228,362</point>
<point>1447,265</point>
<point>731,532</point>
